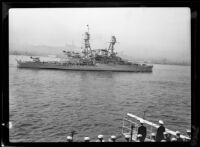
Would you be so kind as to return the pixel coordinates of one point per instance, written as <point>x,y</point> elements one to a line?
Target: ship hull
<point>97,67</point>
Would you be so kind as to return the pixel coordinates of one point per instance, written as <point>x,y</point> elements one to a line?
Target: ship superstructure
<point>89,59</point>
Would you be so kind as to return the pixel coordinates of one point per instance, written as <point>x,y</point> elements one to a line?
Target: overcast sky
<point>142,32</point>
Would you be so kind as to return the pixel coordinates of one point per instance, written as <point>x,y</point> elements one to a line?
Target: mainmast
<point>111,46</point>
<point>87,48</point>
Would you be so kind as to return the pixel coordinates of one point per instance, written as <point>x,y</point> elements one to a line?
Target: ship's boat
<point>88,59</point>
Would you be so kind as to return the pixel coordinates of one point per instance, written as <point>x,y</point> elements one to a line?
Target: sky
<point>152,33</point>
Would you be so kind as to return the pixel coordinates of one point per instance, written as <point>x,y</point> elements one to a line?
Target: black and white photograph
<point>105,74</point>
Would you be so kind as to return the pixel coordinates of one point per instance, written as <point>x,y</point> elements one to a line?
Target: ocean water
<point>46,105</point>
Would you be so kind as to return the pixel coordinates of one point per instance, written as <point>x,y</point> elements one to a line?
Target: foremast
<point>87,48</point>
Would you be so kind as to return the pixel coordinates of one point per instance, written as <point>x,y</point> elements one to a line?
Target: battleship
<point>89,60</point>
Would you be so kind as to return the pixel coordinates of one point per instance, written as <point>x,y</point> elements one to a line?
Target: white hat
<point>100,136</point>
<point>127,136</point>
<point>161,122</point>
<point>188,131</point>
<point>139,135</point>
<point>163,140</point>
<point>141,121</point>
<point>87,138</point>
<point>177,132</point>
<point>173,139</point>
<point>153,141</point>
<point>69,138</point>
<point>153,134</point>
<point>113,137</point>
<point>10,125</point>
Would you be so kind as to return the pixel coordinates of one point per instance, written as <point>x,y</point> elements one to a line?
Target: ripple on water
<point>45,105</point>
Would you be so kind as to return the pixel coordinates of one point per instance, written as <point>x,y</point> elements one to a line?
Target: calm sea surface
<point>46,105</point>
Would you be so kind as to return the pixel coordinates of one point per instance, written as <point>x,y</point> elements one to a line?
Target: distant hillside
<point>153,61</point>
<point>38,50</point>
<point>44,50</point>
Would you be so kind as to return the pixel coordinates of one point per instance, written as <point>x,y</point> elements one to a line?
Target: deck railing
<point>133,120</point>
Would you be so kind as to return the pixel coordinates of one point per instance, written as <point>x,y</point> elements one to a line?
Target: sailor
<point>69,139</point>
<point>173,139</point>
<point>142,130</point>
<point>112,138</point>
<point>153,137</point>
<point>87,139</point>
<point>127,137</point>
<point>100,138</point>
<point>179,139</point>
<point>188,135</point>
<point>139,138</point>
<point>161,129</point>
<point>167,136</point>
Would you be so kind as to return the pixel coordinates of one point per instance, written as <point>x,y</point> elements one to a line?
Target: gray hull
<point>97,67</point>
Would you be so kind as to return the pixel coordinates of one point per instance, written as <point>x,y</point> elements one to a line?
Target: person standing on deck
<point>139,138</point>
<point>173,140</point>
<point>153,137</point>
<point>168,137</point>
<point>87,139</point>
<point>127,137</point>
<point>100,138</point>
<point>178,137</point>
<point>188,135</point>
<point>142,130</point>
<point>69,139</point>
<point>112,139</point>
<point>161,129</point>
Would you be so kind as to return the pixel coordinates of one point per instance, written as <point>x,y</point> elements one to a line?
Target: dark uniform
<point>143,131</point>
<point>179,139</point>
<point>168,139</point>
<point>187,140</point>
<point>159,134</point>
